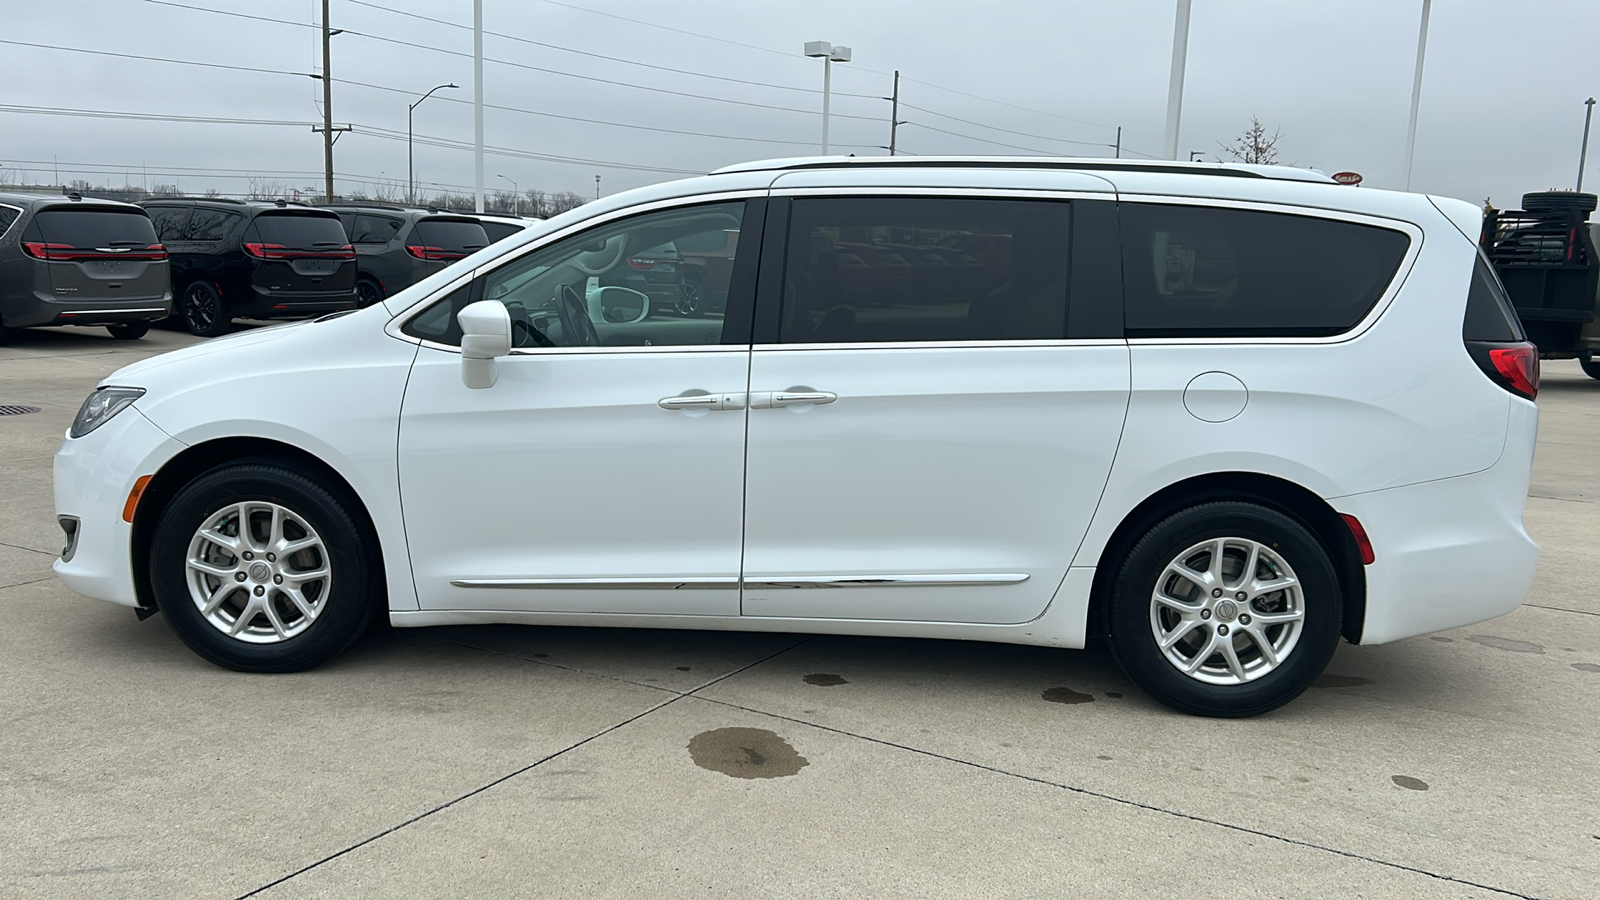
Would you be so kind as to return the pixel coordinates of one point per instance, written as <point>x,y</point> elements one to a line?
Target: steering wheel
<point>576,327</point>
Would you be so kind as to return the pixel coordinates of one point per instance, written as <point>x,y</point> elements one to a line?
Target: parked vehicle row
<point>1221,416</point>
<point>70,261</point>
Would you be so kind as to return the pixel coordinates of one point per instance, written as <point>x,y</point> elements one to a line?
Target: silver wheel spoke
<point>1200,580</point>
<point>212,569</point>
<point>1248,574</point>
<point>290,548</point>
<point>1262,642</point>
<point>275,530</point>
<point>1230,657</point>
<point>1214,570</point>
<point>1264,619</point>
<point>1184,607</point>
<point>258,581</point>
<point>247,614</point>
<point>272,617</point>
<point>299,600</point>
<point>1223,617</point>
<point>221,540</point>
<point>1271,586</point>
<point>1179,633</point>
<point>217,596</point>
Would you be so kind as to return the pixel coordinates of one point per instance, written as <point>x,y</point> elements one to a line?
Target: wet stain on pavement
<point>541,656</point>
<point>745,753</point>
<point>1329,680</point>
<point>1500,643</point>
<point>1441,639</point>
<point>1409,783</point>
<point>1102,756</point>
<point>683,668</point>
<point>1586,667</point>
<point>1115,695</point>
<point>1066,695</point>
<point>824,679</point>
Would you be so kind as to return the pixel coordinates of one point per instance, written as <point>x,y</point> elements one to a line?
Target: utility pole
<point>1583,154</point>
<point>327,109</point>
<point>1180,53</point>
<point>597,187</point>
<point>477,99</point>
<point>1119,142</point>
<point>894,111</point>
<point>1416,90</point>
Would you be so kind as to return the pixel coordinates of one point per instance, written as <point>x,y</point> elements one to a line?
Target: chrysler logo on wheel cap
<point>260,571</point>
<point>1226,610</point>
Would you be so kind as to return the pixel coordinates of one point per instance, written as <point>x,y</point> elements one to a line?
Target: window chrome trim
<point>1035,344</point>
<point>1109,195</point>
<point>1396,283</point>
<point>512,255</point>
<point>766,582</point>
<point>716,582</point>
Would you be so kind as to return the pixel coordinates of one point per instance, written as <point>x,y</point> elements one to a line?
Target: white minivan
<point>1220,416</point>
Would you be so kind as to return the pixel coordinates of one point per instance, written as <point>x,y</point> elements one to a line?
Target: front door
<point>926,443</point>
<point>604,470</point>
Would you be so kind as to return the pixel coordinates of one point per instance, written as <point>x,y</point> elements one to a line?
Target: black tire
<point>1591,365</point>
<point>6,334</point>
<point>1560,201</point>
<point>129,331</point>
<point>200,309</point>
<point>1132,621</point>
<point>691,301</point>
<point>368,292</point>
<point>345,604</point>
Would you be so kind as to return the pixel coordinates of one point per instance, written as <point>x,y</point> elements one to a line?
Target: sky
<point>676,87</point>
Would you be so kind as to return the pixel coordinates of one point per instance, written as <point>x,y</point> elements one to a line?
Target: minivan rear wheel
<point>367,292</point>
<point>201,310</point>
<point>1226,609</point>
<point>1590,364</point>
<point>129,331</point>
<point>260,567</point>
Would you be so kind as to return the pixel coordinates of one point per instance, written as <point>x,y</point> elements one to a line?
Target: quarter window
<point>374,229</point>
<point>8,216</point>
<point>169,221</point>
<point>925,269</point>
<point>1209,272</point>
<point>212,224</point>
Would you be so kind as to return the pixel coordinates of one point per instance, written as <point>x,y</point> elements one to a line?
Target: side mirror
<point>617,305</point>
<point>485,334</point>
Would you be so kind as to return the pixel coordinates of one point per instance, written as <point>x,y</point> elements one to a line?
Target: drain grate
<point>17,410</point>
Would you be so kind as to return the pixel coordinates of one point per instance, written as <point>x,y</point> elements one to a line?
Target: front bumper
<point>93,476</point>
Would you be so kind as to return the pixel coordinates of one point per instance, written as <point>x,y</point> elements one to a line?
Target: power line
<point>510,152</point>
<point>143,117</point>
<point>186,62</point>
<point>1005,130</point>
<point>616,59</point>
<point>984,140</point>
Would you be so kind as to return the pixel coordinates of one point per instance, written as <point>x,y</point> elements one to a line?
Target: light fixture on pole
<point>516,197</point>
<point>411,173</point>
<point>1196,154</point>
<point>1180,55</point>
<point>1583,155</point>
<point>830,54</point>
<point>597,187</point>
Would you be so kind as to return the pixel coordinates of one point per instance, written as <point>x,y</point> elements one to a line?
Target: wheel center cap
<point>1226,610</point>
<point>260,572</point>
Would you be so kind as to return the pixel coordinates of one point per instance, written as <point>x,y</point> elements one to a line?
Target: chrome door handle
<point>703,401</point>
<point>771,399</point>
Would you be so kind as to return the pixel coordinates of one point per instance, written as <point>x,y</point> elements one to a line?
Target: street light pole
<point>830,54</point>
<point>597,187</point>
<point>516,197</point>
<point>477,98</point>
<point>327,109</point>
<point>1180,55</point>
<point>1416,91</point>
<point>411,171</point>
<point>1583,155</point>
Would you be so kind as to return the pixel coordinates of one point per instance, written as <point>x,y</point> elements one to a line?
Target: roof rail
<point>1090,164</point>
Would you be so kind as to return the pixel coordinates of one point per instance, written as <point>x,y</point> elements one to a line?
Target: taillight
<point>1518,367</point>
<point>645,264</point>
<point>279,251</point>
<point>42,250</point>
<point>153,253</point>
<point>267,251</point>
<point>69,253</point>
<point>421,251</point>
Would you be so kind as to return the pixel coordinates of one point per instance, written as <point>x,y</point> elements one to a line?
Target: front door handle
<point>702,401</point>
<point>771,399</point>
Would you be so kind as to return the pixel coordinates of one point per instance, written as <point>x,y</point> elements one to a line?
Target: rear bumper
<point>1450,552</point>
<point>34,311</point>
<point>260,304</point>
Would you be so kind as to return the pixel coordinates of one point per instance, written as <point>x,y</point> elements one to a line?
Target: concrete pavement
<point>519,761</point>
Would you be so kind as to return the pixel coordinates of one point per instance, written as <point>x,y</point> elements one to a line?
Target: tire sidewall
<point>352,600</point>
<point>219,320</point>
<point>368,293</point>
<point>1135,646</point>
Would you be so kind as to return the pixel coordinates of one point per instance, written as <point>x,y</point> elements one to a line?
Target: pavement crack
<point>7,587</point>
<point>1579,612</point>
<point>50,553</point>
<point>527,768</point>
<point>1136,804</point>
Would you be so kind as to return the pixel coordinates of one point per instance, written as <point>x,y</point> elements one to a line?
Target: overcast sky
<point>1502,99</point>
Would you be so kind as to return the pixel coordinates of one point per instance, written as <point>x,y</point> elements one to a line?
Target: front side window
<point>619,285</point>
<point>170,221</point>
<point>1194,271</point>
<point>862,270</point>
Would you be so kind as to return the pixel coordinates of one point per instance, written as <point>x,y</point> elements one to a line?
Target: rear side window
<point>87,227</point>
<point>169,221</point>
<point>374,229</point>
<point>1490,315</point>
<point>1194,271</point>
<point>300,231</point>
<point>212,224</point>
<point>865,270</point>
<point>8,217</point>
<point>451,236</point>
<point>499,231</point>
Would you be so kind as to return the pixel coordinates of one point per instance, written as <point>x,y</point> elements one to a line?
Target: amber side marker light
<point>133,497</point>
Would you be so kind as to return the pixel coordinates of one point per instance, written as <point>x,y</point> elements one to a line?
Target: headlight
<point>101,405</point>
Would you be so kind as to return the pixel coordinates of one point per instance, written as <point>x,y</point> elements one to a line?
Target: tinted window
<point>212,224</point>
<point>628,294</point>
<point>450,235</point>
<point>1490,315</point>
<point>1201,271</point>
<point>300,230</point>
<point>88,227</point>
<point>866,270</point>
<point>7,217</point>
<point>374,229</point>
<point>499,231</point>
<point>169,221</point>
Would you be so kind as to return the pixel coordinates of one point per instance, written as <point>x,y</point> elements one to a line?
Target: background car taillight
<point>68,253</point>
<point>645,264</point>
<point>267,251</point>
<point>433,253</point>
<point>279,251</point>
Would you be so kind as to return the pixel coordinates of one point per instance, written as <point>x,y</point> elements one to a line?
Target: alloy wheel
<point>1228,610</point>
<point>258,572</point>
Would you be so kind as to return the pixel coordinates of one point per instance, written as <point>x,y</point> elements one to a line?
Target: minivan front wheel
<point>1591,364</point>
<point>201,310</point>
<point>262,568</point>
<point>130,331</point>
<point>1226,609</point>
<point>367,292</point>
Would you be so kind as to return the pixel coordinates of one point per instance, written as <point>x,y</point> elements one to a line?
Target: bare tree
<point>564,201</point>
<point>384,192</point>
<point>166,190</point>
<point>212,193</point>
<point>1254,145</point>
<point>266,190</point>
<point>538,204</point>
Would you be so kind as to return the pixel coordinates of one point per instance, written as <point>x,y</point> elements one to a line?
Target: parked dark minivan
<point>253,259</point>
<point>396,247</point>
<point>70,261</point>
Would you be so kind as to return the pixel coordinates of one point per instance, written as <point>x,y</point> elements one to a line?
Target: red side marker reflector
<point>1363,543</point>
<point>133,497</point>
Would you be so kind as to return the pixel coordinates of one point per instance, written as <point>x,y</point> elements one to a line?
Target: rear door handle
<point>771,399</point>
<point>703,401</point>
